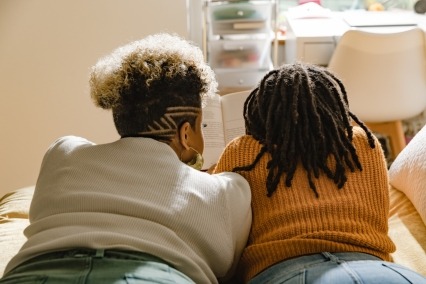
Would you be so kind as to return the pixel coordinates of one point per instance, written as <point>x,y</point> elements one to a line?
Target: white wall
<point>46,50</point>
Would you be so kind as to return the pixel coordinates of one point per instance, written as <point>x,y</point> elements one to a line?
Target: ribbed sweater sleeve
<point>294,222</point>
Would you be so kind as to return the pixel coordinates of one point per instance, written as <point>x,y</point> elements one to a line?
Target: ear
<point>184,134</point>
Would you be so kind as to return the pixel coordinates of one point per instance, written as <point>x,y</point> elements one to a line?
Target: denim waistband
<point>312,259</point>
<point>98,253</point>
<point>342,256</point>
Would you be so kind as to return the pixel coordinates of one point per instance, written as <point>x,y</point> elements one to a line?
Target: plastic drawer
<point>239,78</point>
<point>240,53</point>
<point>239,18</point>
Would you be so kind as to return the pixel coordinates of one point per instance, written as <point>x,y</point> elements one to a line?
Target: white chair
<point>385,78</point>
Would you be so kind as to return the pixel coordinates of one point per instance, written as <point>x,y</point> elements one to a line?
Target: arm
<point>238,200</point>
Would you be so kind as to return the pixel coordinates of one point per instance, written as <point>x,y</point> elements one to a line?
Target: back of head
<point>152,85</point>
<point>300,115</point>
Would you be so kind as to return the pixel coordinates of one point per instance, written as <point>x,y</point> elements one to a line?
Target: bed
<point>407,216</point>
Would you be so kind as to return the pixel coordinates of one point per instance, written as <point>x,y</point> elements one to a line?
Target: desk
<point>313,39</point>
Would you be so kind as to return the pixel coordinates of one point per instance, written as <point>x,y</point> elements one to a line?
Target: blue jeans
<point>95,266</point>
<point>341,268</point>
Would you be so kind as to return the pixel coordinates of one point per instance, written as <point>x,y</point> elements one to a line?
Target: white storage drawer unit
<point>238,40</point>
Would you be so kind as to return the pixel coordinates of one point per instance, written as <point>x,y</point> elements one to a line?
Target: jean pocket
<point>406,273</point>
<point>131,278</point>
<point>159,273</point>
<point>281,277</point>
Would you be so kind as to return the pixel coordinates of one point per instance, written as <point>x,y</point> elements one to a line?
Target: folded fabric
<point>408,172</point>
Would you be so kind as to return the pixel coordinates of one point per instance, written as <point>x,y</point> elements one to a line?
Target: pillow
<point>16,204</point>
<point>408,172</point>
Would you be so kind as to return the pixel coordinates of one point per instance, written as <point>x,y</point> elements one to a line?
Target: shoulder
<point>231,180</point>
<point>67,144</point>
<point>368,156</point>
<point>243,143</point>
<point>71,140</point>
<point>239,152</point>
<point>360,139</point>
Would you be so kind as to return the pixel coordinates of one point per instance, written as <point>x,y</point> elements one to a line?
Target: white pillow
<point>408,172</point>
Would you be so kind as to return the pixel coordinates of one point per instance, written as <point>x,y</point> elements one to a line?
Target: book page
<point>214,137</point>
<point>232,114</point>
<point>223,117</point>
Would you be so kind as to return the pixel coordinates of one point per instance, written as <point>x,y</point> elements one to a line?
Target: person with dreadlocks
<point>138,209</point>
<point>319,185</point>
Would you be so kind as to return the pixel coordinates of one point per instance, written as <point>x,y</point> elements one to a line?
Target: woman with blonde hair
<point>137,210</point>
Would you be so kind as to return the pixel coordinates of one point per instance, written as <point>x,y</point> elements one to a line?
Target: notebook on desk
<point>379,19</point>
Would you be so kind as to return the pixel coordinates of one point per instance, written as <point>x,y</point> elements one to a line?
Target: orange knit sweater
<point>293,222</point>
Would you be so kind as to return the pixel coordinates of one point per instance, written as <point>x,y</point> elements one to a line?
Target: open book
<point>223,117</point>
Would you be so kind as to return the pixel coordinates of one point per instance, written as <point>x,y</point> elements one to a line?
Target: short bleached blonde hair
<point>143,79</point>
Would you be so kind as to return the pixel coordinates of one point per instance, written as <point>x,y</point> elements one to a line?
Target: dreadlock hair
<point>300,114</point>
<point>153,85</point>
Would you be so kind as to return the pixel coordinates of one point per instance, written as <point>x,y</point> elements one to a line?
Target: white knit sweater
<point>135,194</point>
